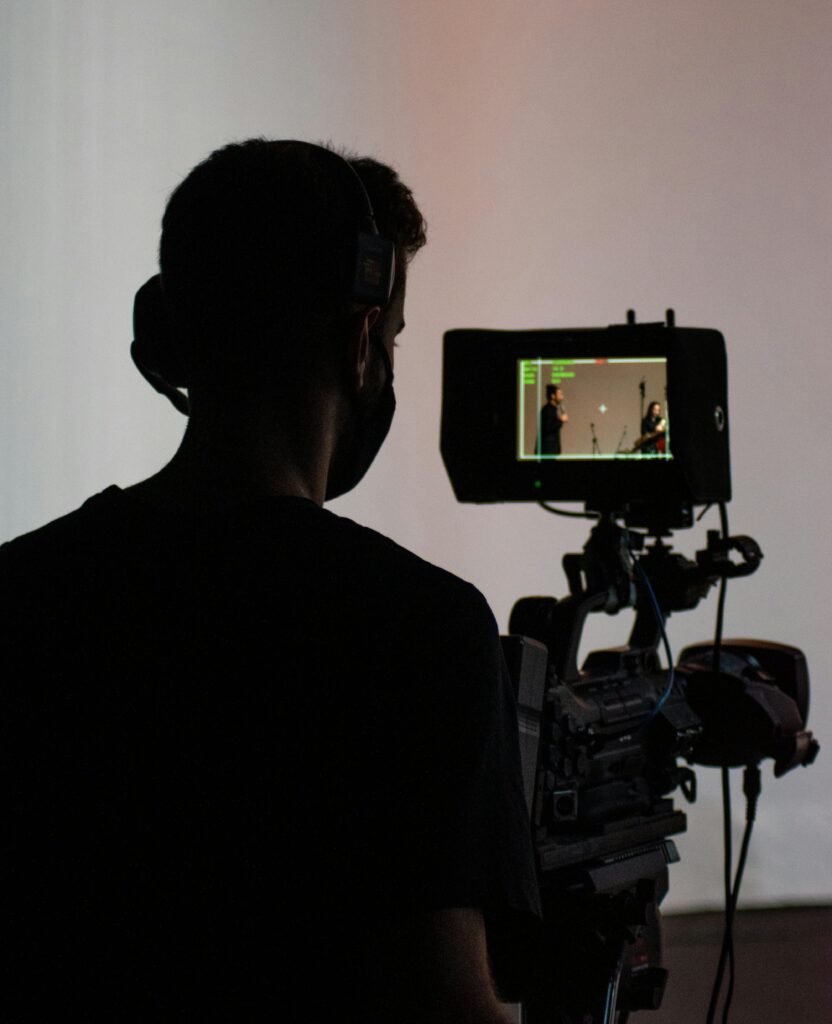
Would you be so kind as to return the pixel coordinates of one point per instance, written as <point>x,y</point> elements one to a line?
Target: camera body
<point>631,420</point>
<point>494,416</point>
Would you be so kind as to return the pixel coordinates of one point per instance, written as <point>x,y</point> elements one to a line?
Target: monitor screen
<point>616,417</point>
<point>574,409</point>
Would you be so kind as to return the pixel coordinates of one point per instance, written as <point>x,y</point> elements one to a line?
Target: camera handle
<point>558,625</point>
<point>679,584</point>
<point>602,578</point>
<point>715,559</point>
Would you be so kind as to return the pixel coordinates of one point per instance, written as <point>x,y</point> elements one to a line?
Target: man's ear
<point>360,346</point>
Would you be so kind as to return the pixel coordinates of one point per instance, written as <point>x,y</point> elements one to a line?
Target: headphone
<point>371,283</point>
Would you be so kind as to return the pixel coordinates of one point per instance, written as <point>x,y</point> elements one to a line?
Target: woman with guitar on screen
<point>653,430</point>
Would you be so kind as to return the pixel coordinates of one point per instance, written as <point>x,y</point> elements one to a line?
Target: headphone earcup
<point>153,350</point>
<point>375,269</point>
<point>153,347</point>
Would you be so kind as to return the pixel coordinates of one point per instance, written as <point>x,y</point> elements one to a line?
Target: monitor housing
<point>494,393</point>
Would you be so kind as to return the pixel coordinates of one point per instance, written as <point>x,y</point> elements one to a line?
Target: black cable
<point>751,785</point>
<point>729,905</point>
<point>563,512</point>
<point>720,607</point>
<point>728,943</point>
<point>726,952</point>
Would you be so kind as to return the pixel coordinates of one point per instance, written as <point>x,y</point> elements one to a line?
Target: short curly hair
<point>259,239</point>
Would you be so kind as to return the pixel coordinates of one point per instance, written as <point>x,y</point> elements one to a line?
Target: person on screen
<point>260,762</point>
<point>653,428</point>
<point>552,418</point>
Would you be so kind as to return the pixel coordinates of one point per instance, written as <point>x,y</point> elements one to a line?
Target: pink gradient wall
<point>574,159</point>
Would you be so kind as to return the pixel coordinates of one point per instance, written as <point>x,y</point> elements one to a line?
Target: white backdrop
<point>573,157</point>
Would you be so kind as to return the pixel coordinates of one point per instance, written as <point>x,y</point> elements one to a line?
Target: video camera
<point>632,420</point>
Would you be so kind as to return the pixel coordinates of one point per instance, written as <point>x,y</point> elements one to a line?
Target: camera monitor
<point>612,417</point>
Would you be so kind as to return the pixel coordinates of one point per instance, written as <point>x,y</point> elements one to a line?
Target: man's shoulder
<point>385,563</point>
<point>392,553</point>
<point>61,538</point>
<point>287,539</point>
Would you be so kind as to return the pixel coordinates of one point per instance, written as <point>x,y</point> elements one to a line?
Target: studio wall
<point>574,159</point>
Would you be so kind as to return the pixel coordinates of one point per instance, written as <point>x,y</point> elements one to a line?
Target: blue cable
<point>660,620</point>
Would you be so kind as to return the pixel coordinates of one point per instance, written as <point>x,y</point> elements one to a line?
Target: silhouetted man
<point>552,418</point>
<point>260,762</point>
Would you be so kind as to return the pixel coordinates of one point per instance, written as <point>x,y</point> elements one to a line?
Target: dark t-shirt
<point>234,751</point>
<point>550,428</point>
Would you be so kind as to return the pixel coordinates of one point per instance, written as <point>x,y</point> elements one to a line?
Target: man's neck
<point>225,461</point>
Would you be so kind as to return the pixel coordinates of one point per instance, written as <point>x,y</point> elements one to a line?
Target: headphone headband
<point>375,257</point>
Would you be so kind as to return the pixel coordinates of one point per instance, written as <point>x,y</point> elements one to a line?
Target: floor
<point>783,967</point>
<point>783,962</point>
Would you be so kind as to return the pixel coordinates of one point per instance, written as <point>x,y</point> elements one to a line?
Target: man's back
<point>243,749</point>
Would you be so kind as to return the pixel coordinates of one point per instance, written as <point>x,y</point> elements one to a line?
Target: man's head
<point>258,255</point>
<point>655,410</point>
<point>273,309</point>
<point>554,395</point>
